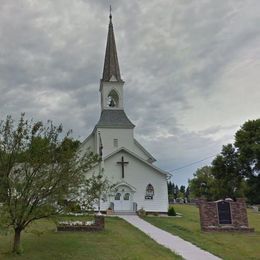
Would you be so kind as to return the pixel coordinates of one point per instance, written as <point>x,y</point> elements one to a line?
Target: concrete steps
<point>124,213</point>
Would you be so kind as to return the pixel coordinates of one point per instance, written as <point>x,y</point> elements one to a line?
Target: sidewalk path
<point>174,243</point>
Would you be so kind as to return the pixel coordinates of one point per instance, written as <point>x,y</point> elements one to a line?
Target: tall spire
<point>110,13</point>
<point>111,65</point>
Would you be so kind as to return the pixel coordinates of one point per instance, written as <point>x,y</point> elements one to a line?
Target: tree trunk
<point>17,241</point>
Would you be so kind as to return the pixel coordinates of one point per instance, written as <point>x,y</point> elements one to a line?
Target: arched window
<point>149,193</point>
<point>118,195</point>
<point>113,99</point>
<point>126,196</point>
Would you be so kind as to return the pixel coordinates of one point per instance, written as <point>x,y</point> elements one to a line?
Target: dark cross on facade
<point>122,162</point>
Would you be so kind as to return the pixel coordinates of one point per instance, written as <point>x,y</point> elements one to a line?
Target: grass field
<point>119,240</point>
<point>233,246</point>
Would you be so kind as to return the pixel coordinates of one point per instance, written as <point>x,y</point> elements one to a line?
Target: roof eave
<point>115,126</point>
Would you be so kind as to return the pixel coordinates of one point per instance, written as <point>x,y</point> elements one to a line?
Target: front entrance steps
<point>124,212</point>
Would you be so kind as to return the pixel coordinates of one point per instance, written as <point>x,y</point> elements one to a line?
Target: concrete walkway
<point>174,243</point>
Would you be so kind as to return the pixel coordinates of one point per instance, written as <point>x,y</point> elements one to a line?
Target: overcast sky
<point>192,69</point>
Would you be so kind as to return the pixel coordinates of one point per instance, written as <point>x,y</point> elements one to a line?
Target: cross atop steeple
<point>111,65</point>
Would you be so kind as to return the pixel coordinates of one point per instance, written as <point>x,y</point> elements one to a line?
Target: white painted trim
<point>137,157</point>
<point>144,150</point>
<point>124,183</point>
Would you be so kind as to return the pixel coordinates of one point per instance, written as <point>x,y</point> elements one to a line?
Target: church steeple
<point>111,69</point>
<point>111,84</point>
<point>111,88</point>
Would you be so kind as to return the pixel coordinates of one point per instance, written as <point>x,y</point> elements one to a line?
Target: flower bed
<point>85,226</point>
<point>76,223</point>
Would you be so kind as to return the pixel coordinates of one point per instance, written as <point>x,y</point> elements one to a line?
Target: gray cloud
<point>187,66</point>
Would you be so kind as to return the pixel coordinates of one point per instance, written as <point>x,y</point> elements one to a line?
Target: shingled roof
<point>114,118</point>
<point>111,65</point>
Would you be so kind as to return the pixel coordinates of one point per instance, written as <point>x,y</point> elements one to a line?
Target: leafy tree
<point>38,169</point>
<point>171,189</point>
<point>247,141</point>
<point>93,191</point>
<point>236,171</point>
<point>182,189</point>
<point>187,193</point>
<point>226,170</point>
<point>181,193</point>
<point>202,184</point>
<point>176,191</point>
<point>223,179</point>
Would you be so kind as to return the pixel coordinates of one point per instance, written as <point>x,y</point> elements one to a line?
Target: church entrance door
<point>123,200</point>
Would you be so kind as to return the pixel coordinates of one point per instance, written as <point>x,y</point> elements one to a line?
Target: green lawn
<point>119,240</point>
<point>226,245</point>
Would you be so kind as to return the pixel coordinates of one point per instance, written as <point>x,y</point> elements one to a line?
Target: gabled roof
<point>111,65</point>
<point>139,158</point>
<point>91,135</point>
<point>114,118</point>
<point>144,150</point>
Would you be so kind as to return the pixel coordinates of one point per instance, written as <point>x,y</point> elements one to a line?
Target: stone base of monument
<point>224,216</point>
<point>80,226</point>
<point>227,229</point>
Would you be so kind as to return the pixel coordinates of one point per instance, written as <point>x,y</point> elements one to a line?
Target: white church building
<point>125,162</point>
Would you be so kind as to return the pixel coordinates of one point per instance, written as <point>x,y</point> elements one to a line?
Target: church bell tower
<point>111,84</point>
<point>111,88</point>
